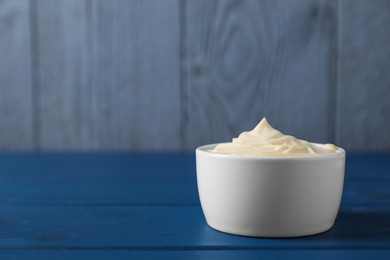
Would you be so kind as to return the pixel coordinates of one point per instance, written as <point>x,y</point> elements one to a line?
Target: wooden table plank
<point>124,162</point>
<point>359,165</point>
<point>111,205</point>
<point>171,227</point>
<point>159,178</point>
<point>58,191</point>
<point>195,254</point>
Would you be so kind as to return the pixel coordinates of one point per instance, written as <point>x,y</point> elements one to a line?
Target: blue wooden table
<point>145,205</point>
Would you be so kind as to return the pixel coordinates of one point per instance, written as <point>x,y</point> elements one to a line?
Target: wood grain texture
<point>247,59</point>
<point>364,75</point>
<point>98,179</point>
<point>128,179</point>
<point>109,74</point>
<point>15,76</point>
<point>193,254</point>
<point>142,75</point>
<point>44,226</point>
<point>165,227</point>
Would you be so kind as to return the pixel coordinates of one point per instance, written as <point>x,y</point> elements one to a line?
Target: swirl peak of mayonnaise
<point>264,140</point>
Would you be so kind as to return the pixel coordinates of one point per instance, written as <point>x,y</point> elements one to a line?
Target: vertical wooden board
<point>64,89</point>
<point>158,50</point>
<point>136,46</point>
<point>249,59</point>
<point>15,76</point>
<point>364,75</point>
<point>109,74</point>
<point>115,92</point>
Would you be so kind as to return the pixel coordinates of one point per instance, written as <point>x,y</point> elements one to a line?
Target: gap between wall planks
<point>164,74</point>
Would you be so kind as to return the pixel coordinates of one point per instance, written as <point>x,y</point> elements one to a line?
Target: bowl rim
<point>340,152</point>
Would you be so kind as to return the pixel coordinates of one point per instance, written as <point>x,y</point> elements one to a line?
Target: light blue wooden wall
<point>176,74</point>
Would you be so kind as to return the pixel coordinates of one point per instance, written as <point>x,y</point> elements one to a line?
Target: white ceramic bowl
<point>270,196</point>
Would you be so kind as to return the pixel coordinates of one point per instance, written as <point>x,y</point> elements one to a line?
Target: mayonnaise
<point>264,140</point>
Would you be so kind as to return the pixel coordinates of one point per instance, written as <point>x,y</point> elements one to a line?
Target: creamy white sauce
<point>264,140</point>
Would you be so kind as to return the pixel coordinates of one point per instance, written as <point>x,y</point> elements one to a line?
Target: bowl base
<point>282,233</point>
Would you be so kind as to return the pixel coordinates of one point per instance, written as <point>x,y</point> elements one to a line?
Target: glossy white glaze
<point>270,196</point>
